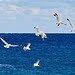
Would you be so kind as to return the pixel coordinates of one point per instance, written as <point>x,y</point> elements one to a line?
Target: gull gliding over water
<point>40,33</point>
<point>36,64</point>
<point>27,47</point>
<point>59,21</point>
<point>7,45</point>
<point>72,28</point>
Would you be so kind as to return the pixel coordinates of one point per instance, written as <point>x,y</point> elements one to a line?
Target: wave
<point>7,66</point>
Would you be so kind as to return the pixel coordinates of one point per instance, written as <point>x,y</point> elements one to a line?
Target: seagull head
<point>55,14</point>
<point>36,27</point>
<point>67,19</point>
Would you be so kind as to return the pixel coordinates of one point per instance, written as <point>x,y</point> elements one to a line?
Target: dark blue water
<point>56,54</point>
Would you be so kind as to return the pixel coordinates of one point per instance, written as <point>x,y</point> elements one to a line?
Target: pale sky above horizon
<point>20,16</point>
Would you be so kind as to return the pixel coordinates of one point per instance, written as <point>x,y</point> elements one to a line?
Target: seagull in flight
<point>27,47</point>
<point>7,45</point>
<point>40,33</point>
<point>36,64</point>
<point>59,21</point>
<point>72,28</point>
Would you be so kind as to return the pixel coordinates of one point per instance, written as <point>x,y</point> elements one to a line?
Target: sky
<point>20,16</point>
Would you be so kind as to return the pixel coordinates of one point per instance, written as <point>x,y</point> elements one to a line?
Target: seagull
<point>7,45</point>
<point>36,64</point>
<point>72,28</point>
<point>40,33</point>
<point>27,47</point>
<point>58,19</point>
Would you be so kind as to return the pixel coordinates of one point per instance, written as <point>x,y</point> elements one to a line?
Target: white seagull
<point>58,19</point>
<point>7,45</point>
<point>40,33</point>
<point>36,64</point>
<point>27,47</point>
<point>72,28</point>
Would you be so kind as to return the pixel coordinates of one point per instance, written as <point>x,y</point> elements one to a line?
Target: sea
<point>56,54</point>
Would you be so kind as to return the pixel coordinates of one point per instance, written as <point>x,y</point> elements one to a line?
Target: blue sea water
<point>56,54</point>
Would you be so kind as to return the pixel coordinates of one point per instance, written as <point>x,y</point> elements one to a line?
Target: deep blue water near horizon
<point>56,54</point>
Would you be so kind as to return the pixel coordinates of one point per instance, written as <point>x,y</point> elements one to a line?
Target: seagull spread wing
<point>58,18</point>
<point>38,61</point>
<point>28,45</point>
<point>69,23</point>
<point>4,41</point>
<point>14,45</point>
